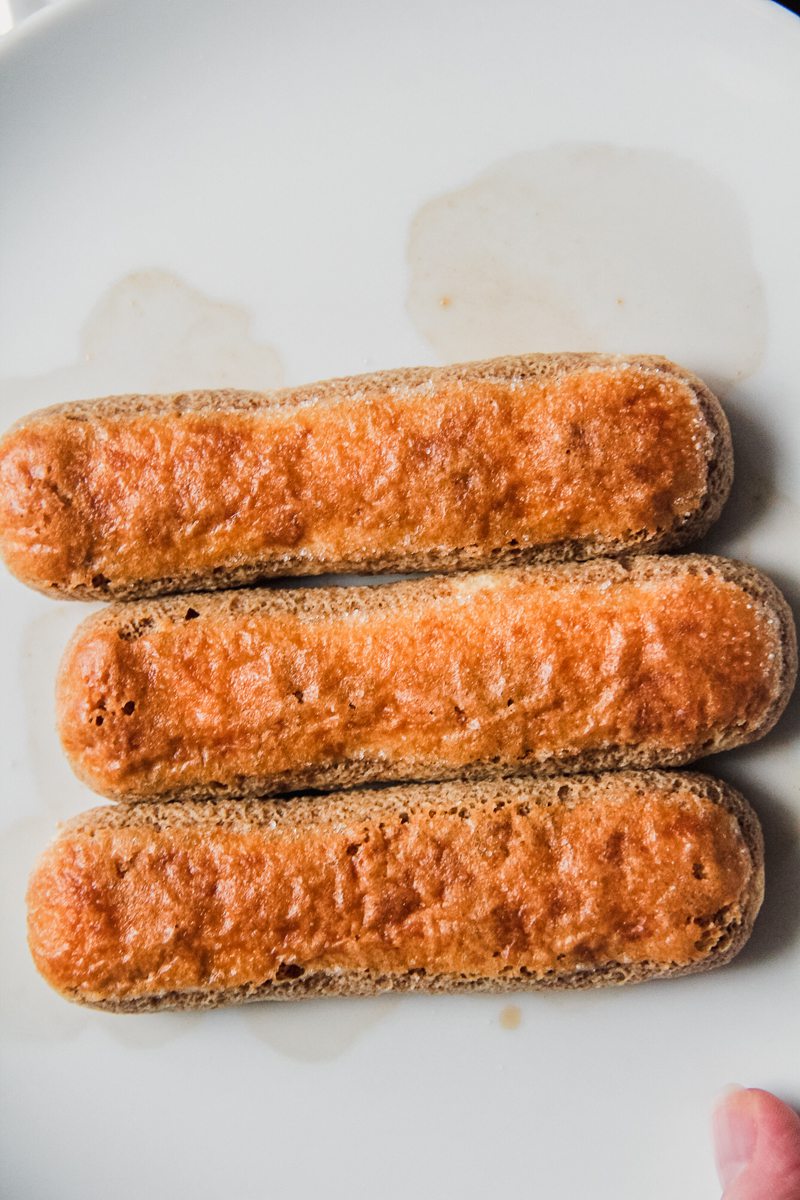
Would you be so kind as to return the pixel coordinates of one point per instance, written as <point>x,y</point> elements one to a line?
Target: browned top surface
<point>629,875</point>
<point>495,667</point>
<point>592,453</point>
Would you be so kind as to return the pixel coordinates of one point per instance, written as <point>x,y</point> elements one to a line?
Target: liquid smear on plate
<point>149,332</point>
<point>316,1031</point>
<point>152,332</point>
<point>590,247</point>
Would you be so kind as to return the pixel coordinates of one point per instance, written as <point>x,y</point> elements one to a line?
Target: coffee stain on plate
<point>152,332</point>
<point>590,247</point>
<point>316,1031</point>
<point>29,1008</point>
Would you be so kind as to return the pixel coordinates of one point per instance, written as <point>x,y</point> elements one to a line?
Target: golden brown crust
<point>653,661</point>
<point>541,457</point>
<point>568,882</point>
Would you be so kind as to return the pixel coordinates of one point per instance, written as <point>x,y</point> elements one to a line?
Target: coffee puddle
<point>590,247</point>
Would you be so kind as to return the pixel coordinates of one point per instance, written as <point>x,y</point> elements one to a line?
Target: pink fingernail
<point>734,1137</point>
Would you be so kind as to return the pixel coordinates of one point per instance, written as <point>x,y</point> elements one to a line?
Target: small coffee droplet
<point>511,1016</point>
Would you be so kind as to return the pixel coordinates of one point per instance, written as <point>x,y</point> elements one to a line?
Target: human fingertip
<point>735,1132</point>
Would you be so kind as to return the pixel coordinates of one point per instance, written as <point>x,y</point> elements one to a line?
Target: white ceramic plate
<point>198,192</point>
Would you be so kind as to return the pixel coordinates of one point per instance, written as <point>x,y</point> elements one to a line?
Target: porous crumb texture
<point>534,458</point>
<point>570,882</point>
<point>642,662</point>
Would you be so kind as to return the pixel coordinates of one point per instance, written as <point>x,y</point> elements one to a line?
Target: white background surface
<point>227,191</point>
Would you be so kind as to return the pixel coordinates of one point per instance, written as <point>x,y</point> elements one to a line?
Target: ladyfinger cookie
<point>570,882</point>
<point>654,661</point>
<point>536,458</point>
